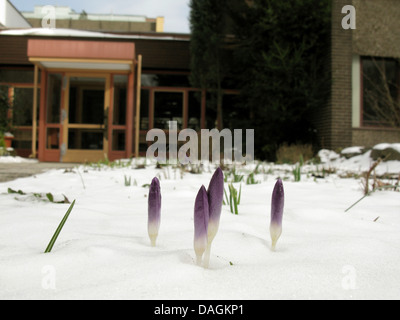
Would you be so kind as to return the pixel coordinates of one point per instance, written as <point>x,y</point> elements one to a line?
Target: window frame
<point>379,124</point>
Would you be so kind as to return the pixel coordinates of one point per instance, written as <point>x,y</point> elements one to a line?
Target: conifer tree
<point>284,55</point>
<point>208,33</point>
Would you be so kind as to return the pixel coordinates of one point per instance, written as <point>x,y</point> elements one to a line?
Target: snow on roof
<point>48,32</point>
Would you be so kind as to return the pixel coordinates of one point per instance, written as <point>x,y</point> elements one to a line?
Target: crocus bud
<point>201,217</point>
<point>277,204</point>
<point>154,211</point>
<point>215,198</point>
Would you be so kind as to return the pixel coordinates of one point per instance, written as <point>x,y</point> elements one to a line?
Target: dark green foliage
<point>11,191</point>
<point>209,61</point>
<point>284,51</point>
<point>5,123</point>
<point>48,196</point>
<point>278,52</point>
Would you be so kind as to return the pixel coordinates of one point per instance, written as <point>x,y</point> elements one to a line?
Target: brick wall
<point>377,34</point>
<point>341,89</point>
<point>371,137</point>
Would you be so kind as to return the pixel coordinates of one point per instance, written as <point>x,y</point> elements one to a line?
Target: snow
<point>11,159</point>
<point>357,164</point>
<point>104,251</point>
<point>383,146</point>
<point>327,155</point>
<point>352,150</point>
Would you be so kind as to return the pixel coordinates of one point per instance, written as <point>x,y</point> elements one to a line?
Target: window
<point>22,107</point>
<point>144,110</point>
<point>20,89</point>
<point>168,106</point>
<point>118,140</point>
<point>85,139</point>
<point>381,94</point>
<point>17,76</point>
<point>120,93</point>
<point>54,98</point>
<point>86,100</point>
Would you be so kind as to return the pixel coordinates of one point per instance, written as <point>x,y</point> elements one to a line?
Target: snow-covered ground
<point>104,251</point>
<point>9,159</point>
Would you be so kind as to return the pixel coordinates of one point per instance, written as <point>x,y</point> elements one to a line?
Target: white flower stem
<point>199,260</point>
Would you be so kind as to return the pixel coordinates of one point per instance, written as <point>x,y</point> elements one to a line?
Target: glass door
<point>85,118</point>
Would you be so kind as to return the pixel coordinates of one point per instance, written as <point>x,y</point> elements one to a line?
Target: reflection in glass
<point>86,100</point>
<point>380,91</point>
<point>18,76</point>
<point>120,92</point>
<point>23,106</point>
<point>22,139</point>
<point>54,98</point>
<point>85,139</point>
<point>53,138</point>
<point>168,106</point>
<point>118,140</point>
<point>144,110</point>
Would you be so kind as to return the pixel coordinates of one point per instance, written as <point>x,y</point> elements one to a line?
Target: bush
<point>293,153</point>
<point>5,122</point>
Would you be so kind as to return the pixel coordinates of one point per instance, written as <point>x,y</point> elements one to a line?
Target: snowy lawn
<point>104,251</point>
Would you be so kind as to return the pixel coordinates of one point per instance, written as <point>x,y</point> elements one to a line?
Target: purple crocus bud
<point>215,194</point>
<point>277,205</point>
<point>201,217</point>
<point>154,211</point>
<point>215,198</point>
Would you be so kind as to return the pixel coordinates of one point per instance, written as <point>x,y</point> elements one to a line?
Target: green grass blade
<point>230,197</point>
<point>50,197</point>
<point>226,197</point>
<point>240,194</point>
<point>57,233</point>
<point>235,201</point>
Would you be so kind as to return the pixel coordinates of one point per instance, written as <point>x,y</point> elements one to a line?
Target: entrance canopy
<point>87,87</point>
<point>82,55</point>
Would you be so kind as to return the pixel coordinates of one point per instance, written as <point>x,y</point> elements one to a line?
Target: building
<point>10,17</point>
<point>76,93</point>
<point>66,18</point>
<point>364,105</point>
<point>84,86</point>
<point>81,95</point>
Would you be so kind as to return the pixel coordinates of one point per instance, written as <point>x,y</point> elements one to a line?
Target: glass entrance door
<point>85,118</point>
